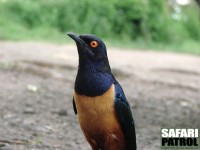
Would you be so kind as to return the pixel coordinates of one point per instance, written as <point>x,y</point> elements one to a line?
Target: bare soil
<point>36,86</point>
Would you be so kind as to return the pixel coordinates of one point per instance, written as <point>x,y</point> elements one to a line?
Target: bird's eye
<point>94,44</point>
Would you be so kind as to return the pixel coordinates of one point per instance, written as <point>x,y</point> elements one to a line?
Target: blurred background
<point>159,24</point>
<point>153,49</point>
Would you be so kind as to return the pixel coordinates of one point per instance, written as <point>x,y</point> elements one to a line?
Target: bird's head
<point>91,50</point>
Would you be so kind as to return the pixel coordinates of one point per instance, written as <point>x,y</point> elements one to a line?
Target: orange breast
<point>99,121</point>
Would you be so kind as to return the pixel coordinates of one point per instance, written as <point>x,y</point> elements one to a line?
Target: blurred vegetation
<point>152,24</point>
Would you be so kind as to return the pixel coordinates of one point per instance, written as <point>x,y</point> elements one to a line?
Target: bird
<point>99,101</point>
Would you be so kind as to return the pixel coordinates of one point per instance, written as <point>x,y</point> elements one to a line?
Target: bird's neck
<point>93,79</point>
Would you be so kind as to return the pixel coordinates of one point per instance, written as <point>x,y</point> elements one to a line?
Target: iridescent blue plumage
<point>104,113</point>
<point>92,79</point>
<point>125,116</point>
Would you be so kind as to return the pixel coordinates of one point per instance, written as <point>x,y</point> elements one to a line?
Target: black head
<point>94,75</point>
<point>91,50</point>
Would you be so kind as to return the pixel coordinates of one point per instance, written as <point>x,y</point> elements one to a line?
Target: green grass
<point>18,33</point>
<point>130,24</point>
<point>187,46</point>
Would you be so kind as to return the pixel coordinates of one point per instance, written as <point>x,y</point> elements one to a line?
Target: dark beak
<point>82,47</point>
<point>75,38</point>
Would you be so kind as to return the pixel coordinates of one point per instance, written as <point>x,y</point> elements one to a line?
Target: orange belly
<point>99,121</point>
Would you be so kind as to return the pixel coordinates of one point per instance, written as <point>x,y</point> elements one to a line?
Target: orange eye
<point>94,44</point>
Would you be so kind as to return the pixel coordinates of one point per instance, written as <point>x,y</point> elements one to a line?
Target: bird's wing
<point>125,116</point>
<point>74,106</point>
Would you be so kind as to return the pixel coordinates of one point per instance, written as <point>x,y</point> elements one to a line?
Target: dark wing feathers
<point>125,117</point>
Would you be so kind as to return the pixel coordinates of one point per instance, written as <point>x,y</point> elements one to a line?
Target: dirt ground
<point>36,86</point>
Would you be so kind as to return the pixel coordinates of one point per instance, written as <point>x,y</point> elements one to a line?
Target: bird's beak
<point>75,38</point>
<point>82,47</point>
